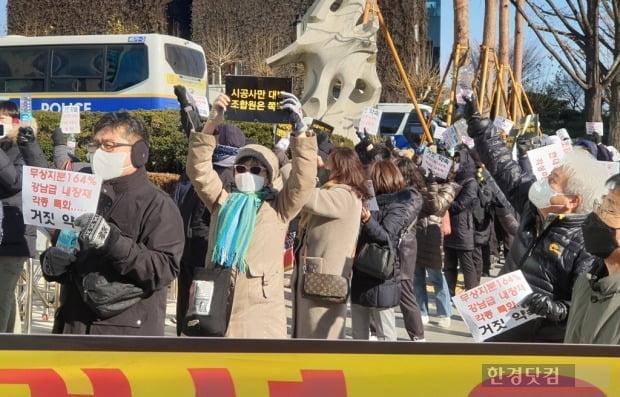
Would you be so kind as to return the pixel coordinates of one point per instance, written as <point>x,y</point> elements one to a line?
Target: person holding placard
<point>595,308</point>
<point>248,225</point>
<point>549,246</point>
<point>129,251</point>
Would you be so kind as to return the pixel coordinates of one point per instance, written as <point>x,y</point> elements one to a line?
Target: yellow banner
<point>151,374</point>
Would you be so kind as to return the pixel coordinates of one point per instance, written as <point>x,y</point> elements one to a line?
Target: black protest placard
<point>319,126</point>
<point>255,99</point>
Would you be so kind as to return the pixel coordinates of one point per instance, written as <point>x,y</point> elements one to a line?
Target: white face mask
<point>108,165</point>
<point>6,130</point>
<point>248,182</point>
<point>540,194</point>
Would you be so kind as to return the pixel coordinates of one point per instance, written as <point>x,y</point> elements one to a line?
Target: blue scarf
<point>234,228</point>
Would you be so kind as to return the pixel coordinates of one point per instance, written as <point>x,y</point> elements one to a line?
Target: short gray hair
<point>586,178</point>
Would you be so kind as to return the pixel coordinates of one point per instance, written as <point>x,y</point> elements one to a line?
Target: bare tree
<point>563,87</point>
<point>423,76</point>
<point>517,61</point>
<point>461,28</point>
<point>486,52</point>
<point>221,49</point>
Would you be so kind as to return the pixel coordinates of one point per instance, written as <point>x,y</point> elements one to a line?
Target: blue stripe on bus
<point>105,104</point>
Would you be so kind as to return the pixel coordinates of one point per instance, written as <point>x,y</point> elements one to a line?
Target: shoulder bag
<point>376,260</point>
<point>321,286</point>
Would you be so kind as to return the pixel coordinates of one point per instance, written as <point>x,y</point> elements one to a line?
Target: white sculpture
<point>339,57</point>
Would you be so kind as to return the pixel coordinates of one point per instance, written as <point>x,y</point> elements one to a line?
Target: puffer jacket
<point>408,247</point>
<point>461,209</point>
<point>396,212</point>
<point>549,252</point>
<point>437,199</point>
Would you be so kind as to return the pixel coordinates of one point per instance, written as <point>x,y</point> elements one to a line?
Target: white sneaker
<point>444,322</point>
<point>415,339</point>
<point>425,319</point>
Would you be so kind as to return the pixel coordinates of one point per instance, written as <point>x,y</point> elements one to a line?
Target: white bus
<point>100,73</point>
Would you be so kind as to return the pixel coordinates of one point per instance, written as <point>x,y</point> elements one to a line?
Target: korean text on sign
<point>54,198</point>
<point>436,163</point>
<point>70,120</point>
<point>256,98</point>
<point>545,159</point>
<point>369,121</point>
<point>493,307</point>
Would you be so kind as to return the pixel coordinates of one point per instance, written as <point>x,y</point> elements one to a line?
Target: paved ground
<point>42,320</point>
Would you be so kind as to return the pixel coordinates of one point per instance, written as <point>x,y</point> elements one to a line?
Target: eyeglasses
<point>256,170</point>
<point>606,207</point>
<point>106,146</point>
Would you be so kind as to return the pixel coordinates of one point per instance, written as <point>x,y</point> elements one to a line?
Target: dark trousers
<point>451,261</point>
<point>482,259</point>
<point>410,310</point>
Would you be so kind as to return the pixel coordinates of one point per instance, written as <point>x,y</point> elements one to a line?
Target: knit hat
<point>230,135</point>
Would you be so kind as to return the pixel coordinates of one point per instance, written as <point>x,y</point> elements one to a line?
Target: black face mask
<point>599,238</point>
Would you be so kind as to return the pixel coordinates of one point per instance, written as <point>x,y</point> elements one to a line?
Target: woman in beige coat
<point>258,307</point>
<point>330,222</point>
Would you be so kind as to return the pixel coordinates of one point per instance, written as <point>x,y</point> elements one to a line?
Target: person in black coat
<point>371,296</point>
<point>459,245</point>
<point>408,251</point>
<point>549,245</point>
<point>135,240</point>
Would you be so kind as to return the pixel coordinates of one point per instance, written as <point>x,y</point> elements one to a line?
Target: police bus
<point>100,73</point>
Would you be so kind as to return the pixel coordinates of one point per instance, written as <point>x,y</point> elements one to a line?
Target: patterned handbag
<point>321,286</point>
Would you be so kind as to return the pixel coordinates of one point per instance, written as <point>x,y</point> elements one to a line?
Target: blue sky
<point>3,17</point>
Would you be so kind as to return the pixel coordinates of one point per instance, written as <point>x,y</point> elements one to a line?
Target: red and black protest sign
<point>255,99</point>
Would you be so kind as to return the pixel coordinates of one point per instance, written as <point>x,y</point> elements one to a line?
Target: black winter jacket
<point>549,252</point>
<point>396,212</point>
<point>408,248</point>
<point>18,241</point>
<point>146,254</point>
<point>461,210</point>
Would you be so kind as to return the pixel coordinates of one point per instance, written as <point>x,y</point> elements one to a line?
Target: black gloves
<point>56,261</point>
<point>58,137</point>
<point>523,146</point>
<point>291,103</point>
<point>544,305</point>
<point>471,107</point>
<point>95,231</point>
<point>25,135</point>
<point>190,118</point>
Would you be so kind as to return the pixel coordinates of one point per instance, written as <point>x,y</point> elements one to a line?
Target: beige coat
<point>330,235</point>
<point>258,308</point>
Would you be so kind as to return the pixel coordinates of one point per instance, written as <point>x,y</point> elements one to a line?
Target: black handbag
<point>210,302</point>
<point>376,260</point>
<point>107,298</point>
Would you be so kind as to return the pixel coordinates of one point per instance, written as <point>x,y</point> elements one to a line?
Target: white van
<point>400,119</point>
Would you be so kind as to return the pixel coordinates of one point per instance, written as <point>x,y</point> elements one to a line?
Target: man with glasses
<point>549,244</point>
<point>132,244</point>
<point>595,308</point>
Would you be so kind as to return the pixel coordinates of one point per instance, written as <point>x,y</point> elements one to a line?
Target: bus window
<point>77,69</point>
<point>185,61</point>
<point>23,69</point>
<point>127,66</point>
<point>390,122</point>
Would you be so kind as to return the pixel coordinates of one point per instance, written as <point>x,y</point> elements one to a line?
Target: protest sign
<point>256,99</point>
<point>371,204</point>
<point>493,307</point>
<point>594,127</point>
<point>54,198</point>
<point>503,124</point>
<point>545,159</point>
<point>450,137</point>
<point>70,120</point>
<point>369,121</point>
<point>612,167</point>
<point>282,130</point>
<point>319,126</point>
<point>436,163</point>
<point>468,141</point>
<point>438,133</point>
<point>202,104</point>
<point>567,144</point>
<point>526,128</point>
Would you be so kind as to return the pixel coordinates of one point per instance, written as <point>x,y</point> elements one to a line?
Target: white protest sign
<point>436,163</point>
<point>371,203</point>
<point>202,105</point>
<point>562,134</point>
<point>369,121</point>
<point>503,124</point>
<point>70,120</point>
<point>468,141</point>
<point>438,133</point>
<point>54,198</point>
<point>594,127</point>
<point>493,307</point>
<point>612,167</point>
<point>567,144</point>
<point>545,159</point>
<point>450,137</point>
